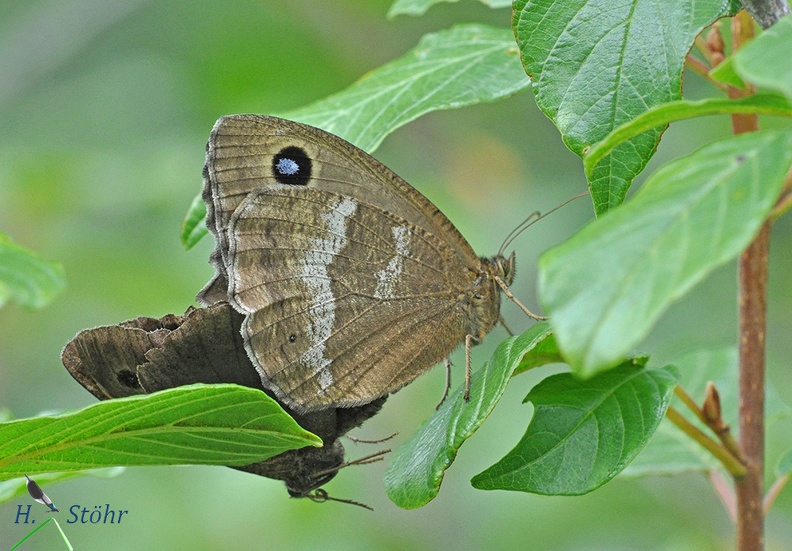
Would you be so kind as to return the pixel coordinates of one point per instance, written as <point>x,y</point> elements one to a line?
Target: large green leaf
<point>606,286</point>
<point>26,278</point>
<point>671,451</point>
<point>419,7</point>
<point>414,475</point>
<point>195,424</point>
<point>596,64</point>
<point>583,432</point>
<point>461,66</point>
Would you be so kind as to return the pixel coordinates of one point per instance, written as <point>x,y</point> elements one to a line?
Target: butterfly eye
<point>292,166</point>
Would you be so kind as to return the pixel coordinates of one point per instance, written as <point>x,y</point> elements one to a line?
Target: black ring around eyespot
<point>292,166</point>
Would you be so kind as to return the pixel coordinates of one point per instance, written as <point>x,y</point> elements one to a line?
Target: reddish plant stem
<point>753,309</point>
<point>753,319</point>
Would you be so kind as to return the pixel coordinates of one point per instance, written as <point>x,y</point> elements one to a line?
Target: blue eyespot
<point>287,167</point>
<point>292,166</point>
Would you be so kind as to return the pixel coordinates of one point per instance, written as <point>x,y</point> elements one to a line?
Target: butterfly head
<point>307,469</point>
<point>484,299</point>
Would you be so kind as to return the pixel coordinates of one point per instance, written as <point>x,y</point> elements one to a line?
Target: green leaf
<point>465,65</point>
<point>542,350</point>
<point>690,217</point>
<point>26,278</point>
<point>414,476</point>
<point>595,65</point>
<point>193,228</point>
<point>583,432</point>
<point>666,113</point>
<point>419,7</point>
<point>195,424</point>
<point>765,61</point>
<point>671,451</point>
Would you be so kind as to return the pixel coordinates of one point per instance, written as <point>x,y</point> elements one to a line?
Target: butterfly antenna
<point>532,219</point>
<point>535,216</point>
<point>320,496</point>
<point>373,458</point>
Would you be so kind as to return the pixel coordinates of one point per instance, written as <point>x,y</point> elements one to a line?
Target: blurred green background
<point>105,108</point>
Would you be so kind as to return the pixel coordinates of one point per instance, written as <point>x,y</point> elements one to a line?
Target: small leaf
<point>765,61</point>
<point>465,65</point>
<point>784,464</point>
<point>414,476</point>
<point>671,451</point>
<point>419,7</point>
<point>596,65</point>
<point>583,432</point>
<point>724,72</point>
<point>690,217</point>
<point>193,228</point>
<point>26,278</point>
<point>194,425</point>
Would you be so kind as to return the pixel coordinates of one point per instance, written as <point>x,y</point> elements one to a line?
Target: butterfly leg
<point>447,362</point>
<point>366,441</point>
<point>506,327</point>
<point>508,293</point>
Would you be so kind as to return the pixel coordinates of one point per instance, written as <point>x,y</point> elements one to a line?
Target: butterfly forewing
<point>335,291</point>
<point>243,151</point>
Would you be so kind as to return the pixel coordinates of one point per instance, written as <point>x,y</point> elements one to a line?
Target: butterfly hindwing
<point>333,289</point>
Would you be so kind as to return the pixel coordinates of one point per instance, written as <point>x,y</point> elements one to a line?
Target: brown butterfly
<point>204,345</point>
<point>352,283</point>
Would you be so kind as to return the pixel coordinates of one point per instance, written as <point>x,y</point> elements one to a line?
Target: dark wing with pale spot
<point>247,152</point>
<point>104,359</point>
<point>148,354</point>
<point>145,355</point>
<point>346,302</point>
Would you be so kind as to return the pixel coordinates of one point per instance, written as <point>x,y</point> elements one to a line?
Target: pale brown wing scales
<point>332,287</point>
<point>376,352</point>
